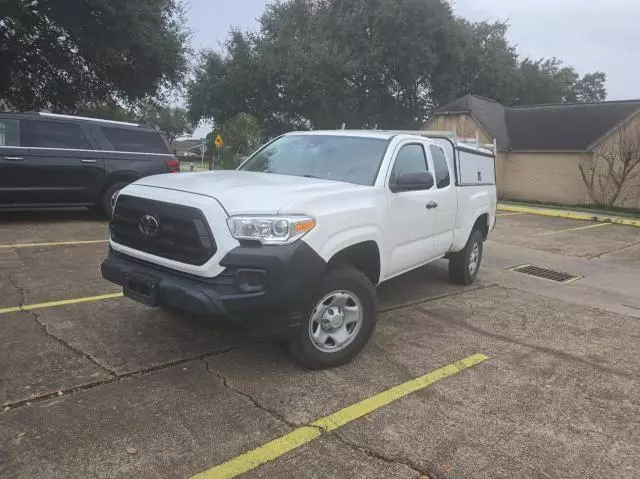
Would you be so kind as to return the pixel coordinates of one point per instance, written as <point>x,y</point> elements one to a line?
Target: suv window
<point>440,166</point>
<point>9,132</point>
<point>55,134</point>
<point>410,159</point>
<point>138,141</point>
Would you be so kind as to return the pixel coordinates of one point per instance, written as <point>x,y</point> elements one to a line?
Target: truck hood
<point>245,192</point>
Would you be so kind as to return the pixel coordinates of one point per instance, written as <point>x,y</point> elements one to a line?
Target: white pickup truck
<point>296,239</point>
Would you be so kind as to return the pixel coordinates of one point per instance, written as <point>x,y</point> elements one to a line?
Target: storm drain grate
<point>545,273</point>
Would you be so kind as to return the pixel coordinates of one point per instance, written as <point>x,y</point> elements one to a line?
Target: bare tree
<point>614,166</point>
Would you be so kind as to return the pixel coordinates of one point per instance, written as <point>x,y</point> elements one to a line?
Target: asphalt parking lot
<point>99,386</point>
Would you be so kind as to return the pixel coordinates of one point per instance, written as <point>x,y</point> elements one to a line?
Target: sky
<point>589,35</point>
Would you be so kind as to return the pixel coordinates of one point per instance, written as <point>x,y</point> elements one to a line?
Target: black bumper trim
<point>290,274</point>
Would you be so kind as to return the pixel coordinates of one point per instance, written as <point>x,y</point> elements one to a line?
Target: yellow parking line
<point>63,302</point>
<point>573,229</point>
<point>573,215</point>
<point>304,434</point>
<point>59,243</point>
<point>510,214</point>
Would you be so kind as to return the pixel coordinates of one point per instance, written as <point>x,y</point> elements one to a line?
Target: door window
<point>9,132</point>
<point>54,134</point>
<point>440,166</point>
<point>410,159</point>
<point>138,141</point>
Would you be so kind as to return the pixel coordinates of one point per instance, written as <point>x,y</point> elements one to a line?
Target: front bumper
<point>259,282</point>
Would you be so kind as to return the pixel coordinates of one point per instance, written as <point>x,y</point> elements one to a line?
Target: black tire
<point>459,262</point>
<point>344,278</point>
<point>105,200</point>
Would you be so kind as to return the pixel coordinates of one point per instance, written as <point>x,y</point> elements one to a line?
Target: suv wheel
<point>109,196</point>
<point>464,265</point>
<point>339,321</point>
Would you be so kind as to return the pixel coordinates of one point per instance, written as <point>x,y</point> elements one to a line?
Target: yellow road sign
<point>219,141</point>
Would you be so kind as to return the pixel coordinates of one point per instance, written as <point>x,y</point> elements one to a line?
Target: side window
<point>9,132</point>
<point>440,166</point>
<point>138,141</point>
<point>54,134</point>
<point>410,159</point>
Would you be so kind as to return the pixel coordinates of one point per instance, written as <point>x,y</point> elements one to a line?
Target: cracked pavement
<point>114,389</point>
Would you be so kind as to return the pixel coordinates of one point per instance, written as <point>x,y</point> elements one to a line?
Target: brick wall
<point>549,177</point>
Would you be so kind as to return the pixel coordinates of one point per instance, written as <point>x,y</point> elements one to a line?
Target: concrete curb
<point>574,215</point>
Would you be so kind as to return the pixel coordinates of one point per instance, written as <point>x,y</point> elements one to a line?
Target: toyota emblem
<point>148,225</point>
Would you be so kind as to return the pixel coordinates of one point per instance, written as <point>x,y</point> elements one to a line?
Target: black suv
<point>59,160</point>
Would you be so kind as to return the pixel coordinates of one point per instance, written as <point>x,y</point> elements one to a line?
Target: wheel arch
<point>124,176</point>
<point>364,256</point>
<point>481,224</point>
<point>478,220</point>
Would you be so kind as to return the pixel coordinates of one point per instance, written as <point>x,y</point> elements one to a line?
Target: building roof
<point>543,127</point>
<point>489,113</point>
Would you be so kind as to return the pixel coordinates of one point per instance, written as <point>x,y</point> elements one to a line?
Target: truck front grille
<point>175,232</point>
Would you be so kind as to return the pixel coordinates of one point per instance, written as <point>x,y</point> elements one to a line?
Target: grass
<point>595,209</point>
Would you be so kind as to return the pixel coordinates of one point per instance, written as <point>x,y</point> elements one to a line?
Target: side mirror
<point>421,180</point>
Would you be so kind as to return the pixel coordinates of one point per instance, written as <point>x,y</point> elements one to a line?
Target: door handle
<point>88,161</point>
<point>431,205</point>
<point>13,158</point>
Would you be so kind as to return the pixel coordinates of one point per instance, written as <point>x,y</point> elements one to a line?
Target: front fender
<point>327,246</point>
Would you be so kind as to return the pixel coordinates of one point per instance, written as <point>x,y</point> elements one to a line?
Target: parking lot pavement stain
<point>307,433</point>
<point>114,377</point>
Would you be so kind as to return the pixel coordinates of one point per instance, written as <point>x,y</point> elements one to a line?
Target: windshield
<point>329,157</point>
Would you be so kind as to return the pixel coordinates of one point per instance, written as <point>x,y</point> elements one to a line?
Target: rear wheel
<point>107,202</point>
<point>464,265</point>
<point>339,321</point>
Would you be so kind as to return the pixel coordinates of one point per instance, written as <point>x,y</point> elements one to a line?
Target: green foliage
<point>108,111</point>
<point>590,89</point>
<point>60,54</point>
<point>547,81</point>
<point>174,121</point>
<point>242,135</point>
<point>319,63</point>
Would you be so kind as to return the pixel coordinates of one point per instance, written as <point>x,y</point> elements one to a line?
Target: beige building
<point>540,147</point>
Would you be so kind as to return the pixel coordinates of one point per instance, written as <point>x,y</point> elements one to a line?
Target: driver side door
<point>411,218</point>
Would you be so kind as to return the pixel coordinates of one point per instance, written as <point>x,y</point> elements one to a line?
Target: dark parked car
<point>59,160</point>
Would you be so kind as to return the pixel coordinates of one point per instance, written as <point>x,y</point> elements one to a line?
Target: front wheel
<point>464,265</point>
<point>339,322</point>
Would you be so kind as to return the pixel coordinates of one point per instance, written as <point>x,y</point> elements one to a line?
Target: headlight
<point>270,229</point>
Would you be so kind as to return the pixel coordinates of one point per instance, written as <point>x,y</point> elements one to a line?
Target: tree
<point>590,89</point>
<point>368,63</point>
<point>60,54</point>
<point>317,64</point>
<point>242,135</point>
<point>484,64</point>
<point>107,111</point>
<point>548,81</point>
<point>614,166</point>
<point>172,120</point>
